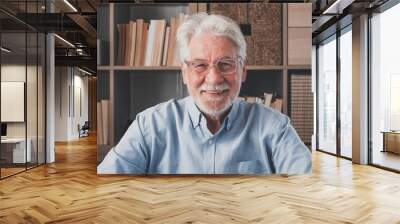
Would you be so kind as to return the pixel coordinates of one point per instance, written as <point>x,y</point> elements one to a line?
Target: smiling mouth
<point>217,92</point>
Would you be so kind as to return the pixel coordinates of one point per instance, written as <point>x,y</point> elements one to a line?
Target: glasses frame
<point>238,63</point>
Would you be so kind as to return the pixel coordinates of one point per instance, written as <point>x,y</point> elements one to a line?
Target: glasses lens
<point>227,66</point>
<point>199,66</point>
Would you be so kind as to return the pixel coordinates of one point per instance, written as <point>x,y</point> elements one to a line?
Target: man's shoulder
<point>164,110</point>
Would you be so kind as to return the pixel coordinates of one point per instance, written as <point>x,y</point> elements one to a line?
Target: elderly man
<point>210,131</point>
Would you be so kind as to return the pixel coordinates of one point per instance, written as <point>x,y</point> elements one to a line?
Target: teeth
<point>213,91</point>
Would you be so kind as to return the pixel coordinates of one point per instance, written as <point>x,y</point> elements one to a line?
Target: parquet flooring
<point>387,159</point>
<point>9,171</point>
<point>70,191</point>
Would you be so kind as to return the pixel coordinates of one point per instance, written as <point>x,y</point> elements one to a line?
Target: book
<point>128,41</point>
<point>159,42</point>
<point>139,41</point>
<point>251,99</point>
<point>172,41</point>
<point>259,100</point>
<point>144,41</point>
<point>154,54</point>
<point>121,44</point>
<point>150,43</point>
<point>277,105</point>
<point>165,50</point>
<point>132,38</point>
<point>267,99</point>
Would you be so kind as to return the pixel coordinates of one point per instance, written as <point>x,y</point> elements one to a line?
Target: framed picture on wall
<point>12,101</point>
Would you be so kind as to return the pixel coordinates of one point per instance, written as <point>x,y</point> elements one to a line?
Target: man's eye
<point>200,66</point>
<point>226,65</point>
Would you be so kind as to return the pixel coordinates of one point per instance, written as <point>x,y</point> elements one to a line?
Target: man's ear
<point>184,73</point>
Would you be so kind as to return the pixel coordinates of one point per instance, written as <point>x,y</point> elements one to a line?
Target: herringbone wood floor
<point>70,191</point>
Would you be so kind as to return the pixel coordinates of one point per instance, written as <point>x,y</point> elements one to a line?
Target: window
<point>385,85</point>
<point>346,92</point>
<point>394,102</point>
<point>327,95</point>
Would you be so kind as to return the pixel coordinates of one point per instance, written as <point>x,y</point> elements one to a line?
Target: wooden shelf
<point>264,67</point>
<point>103,68</point>
<point>299,67</point>
<point>140,68</point>
<point>156,68</point>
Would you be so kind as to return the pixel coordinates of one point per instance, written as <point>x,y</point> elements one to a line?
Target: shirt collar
<point>231,117</point>
<point>194,112</point>
<point>196,115</point>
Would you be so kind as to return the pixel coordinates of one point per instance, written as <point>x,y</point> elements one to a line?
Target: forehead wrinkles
<point>211,47</point>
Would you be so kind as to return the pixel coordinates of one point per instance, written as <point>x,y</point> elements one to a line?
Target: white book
<point>150,43</point>
<point>251,99</point>
<point>267,99</point>
<point>259,100</point>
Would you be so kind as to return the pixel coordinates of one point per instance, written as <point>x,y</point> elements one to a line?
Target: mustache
<point>220,87</point>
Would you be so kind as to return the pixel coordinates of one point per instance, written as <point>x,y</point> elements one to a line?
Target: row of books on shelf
<point>153,43</point>
<point>268,100</point>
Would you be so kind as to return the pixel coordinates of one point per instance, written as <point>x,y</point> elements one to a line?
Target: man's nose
<point>214,76</point>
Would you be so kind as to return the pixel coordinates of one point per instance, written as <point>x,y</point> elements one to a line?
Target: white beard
<point>215,112</point>
<point>216,100</point>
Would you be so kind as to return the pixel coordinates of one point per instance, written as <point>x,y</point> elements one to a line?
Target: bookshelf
<point>178,68</point>
<point>126,89</point>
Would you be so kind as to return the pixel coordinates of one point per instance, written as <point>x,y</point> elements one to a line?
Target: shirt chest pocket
<point>248,167</point>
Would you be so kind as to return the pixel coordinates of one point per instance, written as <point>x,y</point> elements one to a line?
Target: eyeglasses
<point>225,66</point>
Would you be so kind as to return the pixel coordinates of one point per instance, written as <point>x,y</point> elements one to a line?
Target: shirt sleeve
<point>129,156</point>
<point>290,155</point>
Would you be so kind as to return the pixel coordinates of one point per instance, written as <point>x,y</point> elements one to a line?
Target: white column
<point>314,91</point>
<point>360,90</point>
<point>50,94</point>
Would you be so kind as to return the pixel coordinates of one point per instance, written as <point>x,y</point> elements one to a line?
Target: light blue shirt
<point>173,138</point>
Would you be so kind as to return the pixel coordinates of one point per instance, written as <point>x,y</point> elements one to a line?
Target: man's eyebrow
<point>221,58</point>
<point>199,59</point>
<point>226,57</point>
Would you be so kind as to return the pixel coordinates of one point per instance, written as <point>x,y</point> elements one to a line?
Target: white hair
<point>202,23</point>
